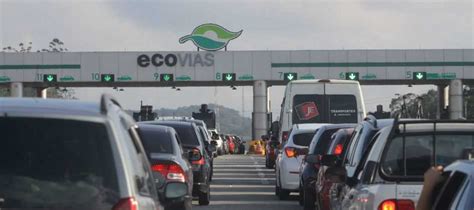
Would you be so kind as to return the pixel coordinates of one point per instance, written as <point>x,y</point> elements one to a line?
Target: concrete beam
<point>260,109</point>
<point>16,89</point>
<point>456,104</point>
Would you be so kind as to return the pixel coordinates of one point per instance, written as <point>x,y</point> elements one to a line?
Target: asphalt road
<point>242,182</point>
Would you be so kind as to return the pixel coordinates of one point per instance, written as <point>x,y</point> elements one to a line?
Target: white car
<point>287,165</point>
<point>397,158</point>
<point>220,143</point>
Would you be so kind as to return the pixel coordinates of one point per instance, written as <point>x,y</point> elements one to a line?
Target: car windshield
<point>323,142</point>
<point>53,163</point>
<point>413,155</point>
<point>303,139</point>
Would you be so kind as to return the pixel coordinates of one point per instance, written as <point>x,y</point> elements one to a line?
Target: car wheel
<point>186,205</point>
<point>308,200</point>
<point>277,188</point>
<point>284,194</point>
<point>267,163</point>
<point>301,198</point>
<point>205,198</point>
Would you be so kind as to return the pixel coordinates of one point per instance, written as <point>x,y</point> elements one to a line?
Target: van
<point>320,101</point>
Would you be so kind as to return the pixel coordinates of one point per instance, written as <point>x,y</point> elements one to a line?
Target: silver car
<point>58,154</point>
<point>398,156</point>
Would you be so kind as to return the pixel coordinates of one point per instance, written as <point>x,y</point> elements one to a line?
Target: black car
<point>200,159</point>
<point>172,171</point>
<point>309,172</point>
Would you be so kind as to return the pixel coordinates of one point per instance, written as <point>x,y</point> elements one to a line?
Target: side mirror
<point>313,159</point>
<point>329,160</point>
<point>215,136</point>
<point>176,190</point>
<point>194,155</point>
<point>336,174</point>
<point>214,143</point>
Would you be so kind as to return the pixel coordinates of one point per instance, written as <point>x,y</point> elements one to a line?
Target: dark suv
<point>57,154</point>
<point>194,145</point>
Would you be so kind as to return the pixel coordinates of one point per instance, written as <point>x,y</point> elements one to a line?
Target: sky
<point>156,25</point>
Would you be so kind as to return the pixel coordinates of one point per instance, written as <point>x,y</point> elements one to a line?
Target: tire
<point>219,152</point>
<point>186,205</point>
<point>284,194</point>
<point>301,198</point>
<point>308,200</point>
<point>277,188</point>
<point>267,163</point>
<point>205,197</point>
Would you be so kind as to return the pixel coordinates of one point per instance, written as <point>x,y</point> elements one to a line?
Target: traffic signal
<point>352,75</point>
<point>50,78</point>
<point>107,78</point>
<point>419,75</point>
<point>166,77</point>
<point>290,76</point>
<point>228,77</point>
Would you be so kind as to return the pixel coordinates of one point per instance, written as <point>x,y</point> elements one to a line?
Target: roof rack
<point>105,101</point>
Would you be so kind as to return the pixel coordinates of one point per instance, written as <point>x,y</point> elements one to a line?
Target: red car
<point>335,149</point>
<point>230,141</point>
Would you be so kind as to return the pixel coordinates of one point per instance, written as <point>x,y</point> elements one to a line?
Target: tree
<point>55,45</point>
<point>415,106</point>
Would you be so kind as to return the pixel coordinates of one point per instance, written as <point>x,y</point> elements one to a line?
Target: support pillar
<point>456,100</point>
<point>42,92</point>
<point>260,109</point>
<point>16,89</point>
<point>441,101</point>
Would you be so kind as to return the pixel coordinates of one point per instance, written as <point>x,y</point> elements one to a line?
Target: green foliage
<point>415,106</point>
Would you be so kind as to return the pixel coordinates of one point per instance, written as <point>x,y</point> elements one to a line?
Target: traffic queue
<point>334,158</point>
<point>67,154</point>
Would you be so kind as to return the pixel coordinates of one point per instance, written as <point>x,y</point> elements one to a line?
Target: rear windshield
<point>303,139</point>
<point>313,108</point>
<point>156,142</point>
<point>187,134</point>
<point>323,142</point>
<point>413,155</point>
<point>56,164</point>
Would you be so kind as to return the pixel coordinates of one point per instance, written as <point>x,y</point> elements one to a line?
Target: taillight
<point>290,152</point>
<point>126,204</point>
<point>338,149</point>
<point>284,136</point>
<point>172,172</point>
<point>394,204</point>
<point>200,161</point>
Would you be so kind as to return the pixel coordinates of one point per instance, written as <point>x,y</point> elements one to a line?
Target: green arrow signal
<point>107,78</point>
<point>50,78</point>
<point>352,76</point>
<point>166,77</point>
<point>228,77</point>
<point>290,77</point>
<point>419,76</point>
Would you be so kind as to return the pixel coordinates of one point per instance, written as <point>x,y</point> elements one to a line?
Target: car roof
<point>308,126</point>
<point>429,126</point>
<point>466,166</point>
<point>39,106</point>
<point>159,128</point>
<point>336,126</point>
<point>170,123</point>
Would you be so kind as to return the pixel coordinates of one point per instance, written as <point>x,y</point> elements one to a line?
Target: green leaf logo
<point>210,37</point>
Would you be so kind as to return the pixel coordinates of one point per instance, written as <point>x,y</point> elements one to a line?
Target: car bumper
<point>289,174</point>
